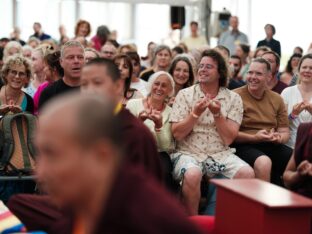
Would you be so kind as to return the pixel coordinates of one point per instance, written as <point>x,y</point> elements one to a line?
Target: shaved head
<point>85,117</point>
<point>77,142</point>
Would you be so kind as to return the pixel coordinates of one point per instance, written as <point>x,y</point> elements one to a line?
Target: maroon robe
<point>137,204</point>
<point>139,145</point>
<point>303,151</point>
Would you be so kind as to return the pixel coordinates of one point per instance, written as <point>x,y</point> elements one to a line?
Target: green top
<point>163,138</point>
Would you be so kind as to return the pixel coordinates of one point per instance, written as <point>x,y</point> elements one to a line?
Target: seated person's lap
<point>278,153</point>
<point>228,166</point>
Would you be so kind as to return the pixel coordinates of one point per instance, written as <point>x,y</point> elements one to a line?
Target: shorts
<point>228,167</point>
<point>278,153</point>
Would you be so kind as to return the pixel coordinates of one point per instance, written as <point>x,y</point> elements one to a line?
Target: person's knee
<point>192,177</point>
<point>263,163</point>
<point>245,172</point>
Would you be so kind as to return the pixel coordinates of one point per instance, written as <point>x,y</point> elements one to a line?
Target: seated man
<point>235,65</point>
<point>205,120</point>
<point>80,165</point>
<point>273,82</point>
<point>264,130</point>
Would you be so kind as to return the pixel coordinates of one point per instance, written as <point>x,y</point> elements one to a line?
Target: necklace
<point>149,105</point>
<point>8,100</point>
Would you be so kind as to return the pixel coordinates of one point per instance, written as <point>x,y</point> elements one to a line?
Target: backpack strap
<point>8,146</point>
<point>31,125</point>
<point>19,125</point>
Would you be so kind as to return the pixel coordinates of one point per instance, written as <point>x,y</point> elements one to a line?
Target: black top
<point>30,104</point>
<point>42,36</point>
<point>53,90</point>
<point>273,44</point>
<point>146,75</point>
<point>234,84</point>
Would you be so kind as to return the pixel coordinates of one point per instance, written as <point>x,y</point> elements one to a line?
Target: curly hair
<point>222,66</point>
<point>16,59</point>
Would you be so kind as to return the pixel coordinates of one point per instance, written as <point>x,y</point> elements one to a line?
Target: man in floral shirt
<point>205,121</point>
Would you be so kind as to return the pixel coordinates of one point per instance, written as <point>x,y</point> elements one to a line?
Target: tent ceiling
<point>170,2</point>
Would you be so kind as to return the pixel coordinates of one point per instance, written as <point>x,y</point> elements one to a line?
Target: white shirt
<point>140,86</point>
<point>292,96</point>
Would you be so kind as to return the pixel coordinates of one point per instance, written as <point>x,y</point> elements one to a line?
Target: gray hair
<point>153,78</point>
<point>160,48</point>
<point>71,43</point>
<point>9,45</point>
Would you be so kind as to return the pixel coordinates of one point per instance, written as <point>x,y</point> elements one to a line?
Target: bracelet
<point>217,115</point>
<point>157,129</point>
<point>292,117</point>
<point>194,115</point>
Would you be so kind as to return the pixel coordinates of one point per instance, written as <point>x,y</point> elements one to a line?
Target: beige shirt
<point>204,140</point>
<point>195,42</point>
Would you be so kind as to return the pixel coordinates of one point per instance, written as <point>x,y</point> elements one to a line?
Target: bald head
<point>77,141</point>
<point>85,118</point>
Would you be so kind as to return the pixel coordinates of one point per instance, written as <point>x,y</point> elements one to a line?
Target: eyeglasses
<point>207,66</point>
<point>20,74</point>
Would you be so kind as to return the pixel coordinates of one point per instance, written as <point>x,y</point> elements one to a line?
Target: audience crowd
<point>171,120</point>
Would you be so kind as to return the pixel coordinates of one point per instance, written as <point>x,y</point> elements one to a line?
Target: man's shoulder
<point>274,96</point>
<point>241,90</point>
<point>53,87</point>
<point>187,93</point>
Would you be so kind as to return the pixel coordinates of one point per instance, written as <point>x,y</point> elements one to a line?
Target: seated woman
<point>52,72</point>
<point>298,173</point>
<point>291,69</point>
<point>136,82</point>
<point>182,72</point>
<point>37,62</point>
<point>298,98</point>
<point>125,67</point>
<point>15,73</point>
<point>154,112</point>
<point>161,61</point>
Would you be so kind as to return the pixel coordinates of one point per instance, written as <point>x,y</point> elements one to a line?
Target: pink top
<point>37,95</point>
<point>96,43</point>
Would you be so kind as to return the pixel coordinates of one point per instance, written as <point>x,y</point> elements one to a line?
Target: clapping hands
<point>269,136</point>
<point>7,108</point>
<point>299,107</point>
<point>153,115</point>
<point>305,168</point>
<point>207,102</point>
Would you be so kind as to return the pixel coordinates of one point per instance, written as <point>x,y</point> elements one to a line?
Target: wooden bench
<point>256,207</point>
